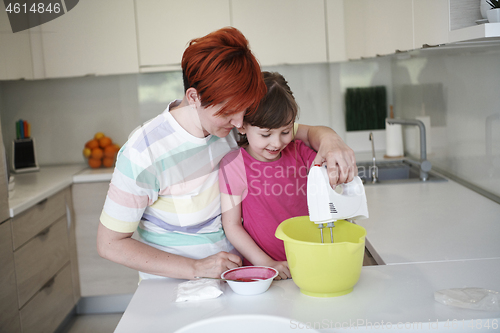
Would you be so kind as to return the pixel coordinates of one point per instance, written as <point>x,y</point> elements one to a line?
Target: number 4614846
<point>35,8</point>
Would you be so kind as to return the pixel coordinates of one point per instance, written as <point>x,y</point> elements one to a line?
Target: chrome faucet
<point>425,166</point>
<point>374,168</point>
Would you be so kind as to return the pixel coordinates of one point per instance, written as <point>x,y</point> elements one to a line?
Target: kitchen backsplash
<point>458,89</point>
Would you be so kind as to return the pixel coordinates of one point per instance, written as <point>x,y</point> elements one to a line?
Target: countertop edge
<point>31,188</point>
<point>39,197</point>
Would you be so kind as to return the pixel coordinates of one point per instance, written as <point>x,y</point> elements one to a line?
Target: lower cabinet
<point>50,305</point>
<point>39,260</point>
<point>9,306</point>
<point>98,276</point>
<point>46,272</point>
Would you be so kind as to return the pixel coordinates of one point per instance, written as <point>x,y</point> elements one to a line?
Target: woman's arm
<point>123,249</point>
<point>339,158</point>
<point>242,241</point>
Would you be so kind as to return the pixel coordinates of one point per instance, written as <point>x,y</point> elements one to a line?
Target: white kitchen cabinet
<point>283,31</point>
<point>431,22</point>
<point>378,27</point>
<point>9,307</point>
<point>15,51</point>
<point>94,38</point>
<point>164,28</point>
<point>98,276</point>
<point>335,25</point>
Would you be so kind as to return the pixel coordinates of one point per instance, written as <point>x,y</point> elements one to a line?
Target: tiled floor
<point>101,323</point>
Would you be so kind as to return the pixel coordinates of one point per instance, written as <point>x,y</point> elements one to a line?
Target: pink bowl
<point>263,275</point>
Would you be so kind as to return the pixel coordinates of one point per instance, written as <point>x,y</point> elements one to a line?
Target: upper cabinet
<point>279,31</point>
<point>377,27</point>
<point>283,31</point>
<point>15,51</point>
<point>129,36</point>
<point>164,28</point>
<point>94,38</point>
<point>431,22</point>
<point>335,30</point>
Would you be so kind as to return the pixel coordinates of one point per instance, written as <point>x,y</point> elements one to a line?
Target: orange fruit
<point>97,153</point>
<point>87,152</point>
<point>94,162</point>
<point>104,142</point>
<point>108,162</point>
<point>98,135</point>
<point>92,144</point>
<point>111,151</point>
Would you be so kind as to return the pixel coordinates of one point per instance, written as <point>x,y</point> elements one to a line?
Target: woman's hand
<point>215,265</point>
<point>339,158</point>
<point>283,270</point>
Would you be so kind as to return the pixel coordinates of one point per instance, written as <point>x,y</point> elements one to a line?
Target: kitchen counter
<point>423,222</point>
<point>429,221</point>
<point>33,187</point>
<point>89,175</point>
<point>392,298</point>
<point>430,236</point>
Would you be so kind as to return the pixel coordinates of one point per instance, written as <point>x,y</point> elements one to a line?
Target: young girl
<point>264,182</point>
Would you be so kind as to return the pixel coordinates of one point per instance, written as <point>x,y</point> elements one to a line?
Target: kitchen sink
<point>394,172</point>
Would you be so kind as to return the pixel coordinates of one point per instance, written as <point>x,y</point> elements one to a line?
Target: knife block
<point>24,156</point>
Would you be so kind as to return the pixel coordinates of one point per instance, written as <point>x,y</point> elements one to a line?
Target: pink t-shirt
<point>271,191</point>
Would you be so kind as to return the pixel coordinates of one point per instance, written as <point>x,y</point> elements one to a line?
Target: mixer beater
<point>327,205</point>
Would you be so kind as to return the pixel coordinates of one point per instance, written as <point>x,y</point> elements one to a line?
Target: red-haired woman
<point>165,183</point>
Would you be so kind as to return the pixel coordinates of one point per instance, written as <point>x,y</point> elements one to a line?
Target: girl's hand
<point>215,265</point>
<point>283,270</point>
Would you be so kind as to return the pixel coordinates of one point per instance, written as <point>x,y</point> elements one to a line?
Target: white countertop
<point>31,188</point>
<point>422,222</point>
<point>384,294</point>
<point>431,236</point>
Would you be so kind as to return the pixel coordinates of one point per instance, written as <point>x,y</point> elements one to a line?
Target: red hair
<point>221,67</point>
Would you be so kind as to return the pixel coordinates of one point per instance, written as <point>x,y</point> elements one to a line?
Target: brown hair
<point>277,109</point>
<point>221,67</point>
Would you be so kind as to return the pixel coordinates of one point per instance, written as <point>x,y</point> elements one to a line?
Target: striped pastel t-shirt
<point>165,185</point>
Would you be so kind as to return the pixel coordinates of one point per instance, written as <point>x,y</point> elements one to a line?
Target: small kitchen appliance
<point>326,269</point>
<point>326,205</point>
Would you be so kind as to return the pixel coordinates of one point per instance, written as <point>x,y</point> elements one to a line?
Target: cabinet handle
<point>49,283</point>
<point>42,201</point>
<point>43,232</point>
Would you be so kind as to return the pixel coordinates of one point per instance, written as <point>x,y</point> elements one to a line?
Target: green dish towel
<point>366,108</point>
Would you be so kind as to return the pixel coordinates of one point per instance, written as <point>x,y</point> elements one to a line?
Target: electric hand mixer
<point>326,205</point>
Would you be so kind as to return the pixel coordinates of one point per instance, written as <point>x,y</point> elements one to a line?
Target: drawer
<point>49,307</point>
<point>38,260</point>
<point>9,309</point>
<point>34,220</point>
